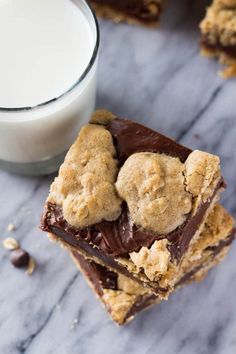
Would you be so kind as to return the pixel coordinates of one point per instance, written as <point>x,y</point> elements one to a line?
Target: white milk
<point>46,45</point>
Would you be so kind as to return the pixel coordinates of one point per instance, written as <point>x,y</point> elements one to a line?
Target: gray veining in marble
<point>158,78</point>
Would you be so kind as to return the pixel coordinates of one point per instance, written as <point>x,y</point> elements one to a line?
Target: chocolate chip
<point>20,258</point>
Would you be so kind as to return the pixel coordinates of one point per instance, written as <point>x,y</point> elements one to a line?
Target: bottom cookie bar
<point>124,298</point>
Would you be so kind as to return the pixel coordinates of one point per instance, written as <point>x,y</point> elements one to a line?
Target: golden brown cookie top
<point>85,187</point>
<point>219,25</point>
<point>153,187</point>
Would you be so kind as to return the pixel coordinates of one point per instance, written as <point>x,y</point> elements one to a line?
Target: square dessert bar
<point>219,34</point>
<point>124,298</point>
<point>146,12</point>
<point>133,200</point>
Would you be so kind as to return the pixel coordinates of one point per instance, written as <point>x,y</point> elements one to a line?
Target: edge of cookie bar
<point>117,16</point>
<point>119,314</point>
<point>123,315</point>
<point>218,40</point>
<point>224,59</point>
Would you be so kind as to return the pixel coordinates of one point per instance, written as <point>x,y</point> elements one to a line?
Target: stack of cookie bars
<point>218,28</point>
<point>138,212</point>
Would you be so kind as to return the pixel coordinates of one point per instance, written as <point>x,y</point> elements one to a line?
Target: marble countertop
<point>158,78</point>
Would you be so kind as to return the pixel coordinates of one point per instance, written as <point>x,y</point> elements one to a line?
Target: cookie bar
<point>132,199</point>
<point>219,34</point>
<point>145,12</point>
<point>124,298</point>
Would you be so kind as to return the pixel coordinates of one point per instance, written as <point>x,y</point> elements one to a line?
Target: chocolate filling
<point>101,277</point>
<point>230,50</point>
<point>131,137</point>
<point>140,9</point>
<point>84,246</point>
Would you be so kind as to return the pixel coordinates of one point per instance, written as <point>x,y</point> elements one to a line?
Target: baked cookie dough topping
<point>219,25</point>
<point>161,191</point>
<point>153,186</point>
<point>85,186</point>
<point>154,260</point>
<point>202,175</point>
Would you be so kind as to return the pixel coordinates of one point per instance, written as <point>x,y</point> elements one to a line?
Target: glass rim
<point>78,81</point>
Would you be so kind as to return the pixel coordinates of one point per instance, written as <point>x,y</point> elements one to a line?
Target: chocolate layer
<point>64,231</point>
<point>101,277</point>
<point>229,50</point>
<point>131,137</point>
<point>144,10</point>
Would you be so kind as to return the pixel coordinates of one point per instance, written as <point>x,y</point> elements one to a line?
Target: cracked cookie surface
<point>85,185</point>
<point>161,191</point>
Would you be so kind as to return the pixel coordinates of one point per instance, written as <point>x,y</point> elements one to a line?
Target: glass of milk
<point>48,63</point>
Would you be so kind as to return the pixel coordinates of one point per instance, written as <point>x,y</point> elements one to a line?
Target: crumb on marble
<point>11,227</point>
<point>74,323</point>
<point>10,244</point>
<point>31,266</point>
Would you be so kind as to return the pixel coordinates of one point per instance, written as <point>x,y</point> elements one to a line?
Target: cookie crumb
<point>11,227</point>
<point>31,266</point>
<point>10,244</point>
<point>74,323</point>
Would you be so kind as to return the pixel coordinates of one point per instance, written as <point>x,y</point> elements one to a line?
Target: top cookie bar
<point>131,197</point>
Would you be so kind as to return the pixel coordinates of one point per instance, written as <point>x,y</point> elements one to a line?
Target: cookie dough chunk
<point>85,187</point>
